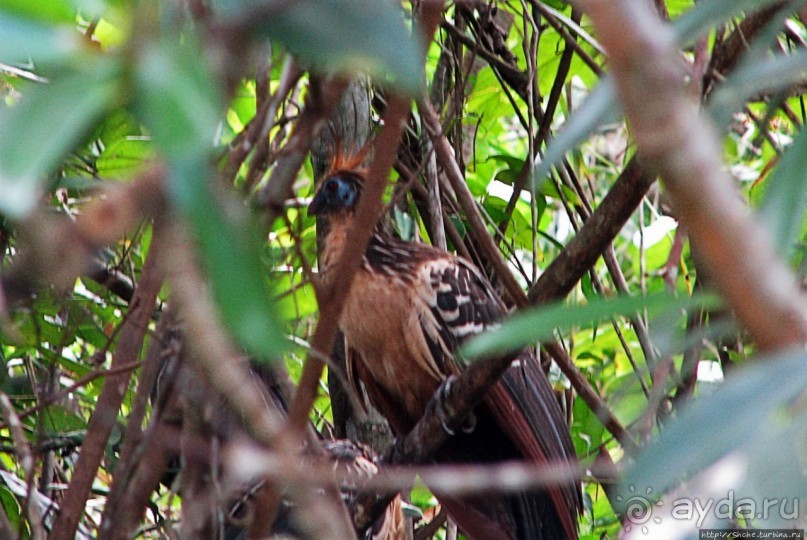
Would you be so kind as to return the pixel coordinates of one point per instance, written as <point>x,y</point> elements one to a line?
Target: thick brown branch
<point>676,140</point>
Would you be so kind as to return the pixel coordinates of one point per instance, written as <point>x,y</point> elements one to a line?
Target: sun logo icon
<point>637,509</point>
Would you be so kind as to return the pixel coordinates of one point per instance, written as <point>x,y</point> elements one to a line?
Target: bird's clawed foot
<point>439,404</point>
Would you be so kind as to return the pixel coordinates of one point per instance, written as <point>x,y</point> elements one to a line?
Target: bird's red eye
<point>332,186</point>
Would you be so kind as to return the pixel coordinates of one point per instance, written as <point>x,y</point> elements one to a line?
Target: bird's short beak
<point>316,204</point>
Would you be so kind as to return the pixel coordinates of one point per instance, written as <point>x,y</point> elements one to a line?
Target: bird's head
<point>338,194</point>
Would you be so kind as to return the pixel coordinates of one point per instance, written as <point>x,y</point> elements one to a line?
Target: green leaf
<point>785,201</point>
<point>53,10</point>
<point>42,10</point>
<point>754,412</point>
<point>601,107</point>
<point>587,429</point>
<point>124,157</point>
<point>536,324</point>
<point>49,121</point>
<point>60,421</point>
<point>22,40</point>
<point>355,35</point>
<point>178,98</point>
<point>179,101</point>
<point>230,245</point>
<point>125,148</point>
<point>10,506</point>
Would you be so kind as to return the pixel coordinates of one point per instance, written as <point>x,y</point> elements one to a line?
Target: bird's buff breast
<point>380,323</point>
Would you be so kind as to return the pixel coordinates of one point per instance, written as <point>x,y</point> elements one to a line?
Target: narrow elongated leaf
<point>49,121</point>
<point>230,246</point>
<point>335,35</point>
<point>767,394</point>
<point>179,102</point>
<point>179,99</point>
<point>754,78</point>
<point>601,107</point>
<point>697,21</point>
<point>785,204</point>
<point>533,325</point>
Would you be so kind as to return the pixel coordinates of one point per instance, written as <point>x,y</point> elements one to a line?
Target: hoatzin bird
<point>410,308</point>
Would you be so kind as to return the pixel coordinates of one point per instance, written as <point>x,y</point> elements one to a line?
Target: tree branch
<point>105,414</point>
<point>675,139</point>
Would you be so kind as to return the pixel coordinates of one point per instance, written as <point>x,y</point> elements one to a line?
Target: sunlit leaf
<point>42,10</point>
<point>536,324</point>
<point>124,157</point>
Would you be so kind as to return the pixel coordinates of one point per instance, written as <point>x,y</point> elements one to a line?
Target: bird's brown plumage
<point>410,307</point>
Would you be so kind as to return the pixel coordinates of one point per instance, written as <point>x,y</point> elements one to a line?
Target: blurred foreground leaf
<point>360,35</point>
<point>600,107</point>
<point>49,121</point>
<point>759,412</point>
<point>785,200</point>
<point>179,102</point>
<point>769,75</point>
<point>22,40</point>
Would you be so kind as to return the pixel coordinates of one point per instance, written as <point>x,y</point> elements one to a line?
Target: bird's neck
<point>334,243</point>
<point>338,230</point>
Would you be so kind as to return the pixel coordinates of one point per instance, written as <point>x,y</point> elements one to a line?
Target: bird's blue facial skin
<point>335,193</point>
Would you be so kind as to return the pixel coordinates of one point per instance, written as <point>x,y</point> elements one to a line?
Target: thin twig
<point>133,436</point>
<point>91,376</point>
<point>26,460</point>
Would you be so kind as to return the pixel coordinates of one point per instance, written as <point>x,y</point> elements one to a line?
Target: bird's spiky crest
<point>353,160</point>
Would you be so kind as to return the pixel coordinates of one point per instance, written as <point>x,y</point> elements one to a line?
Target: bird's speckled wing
<point>457,303</point>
